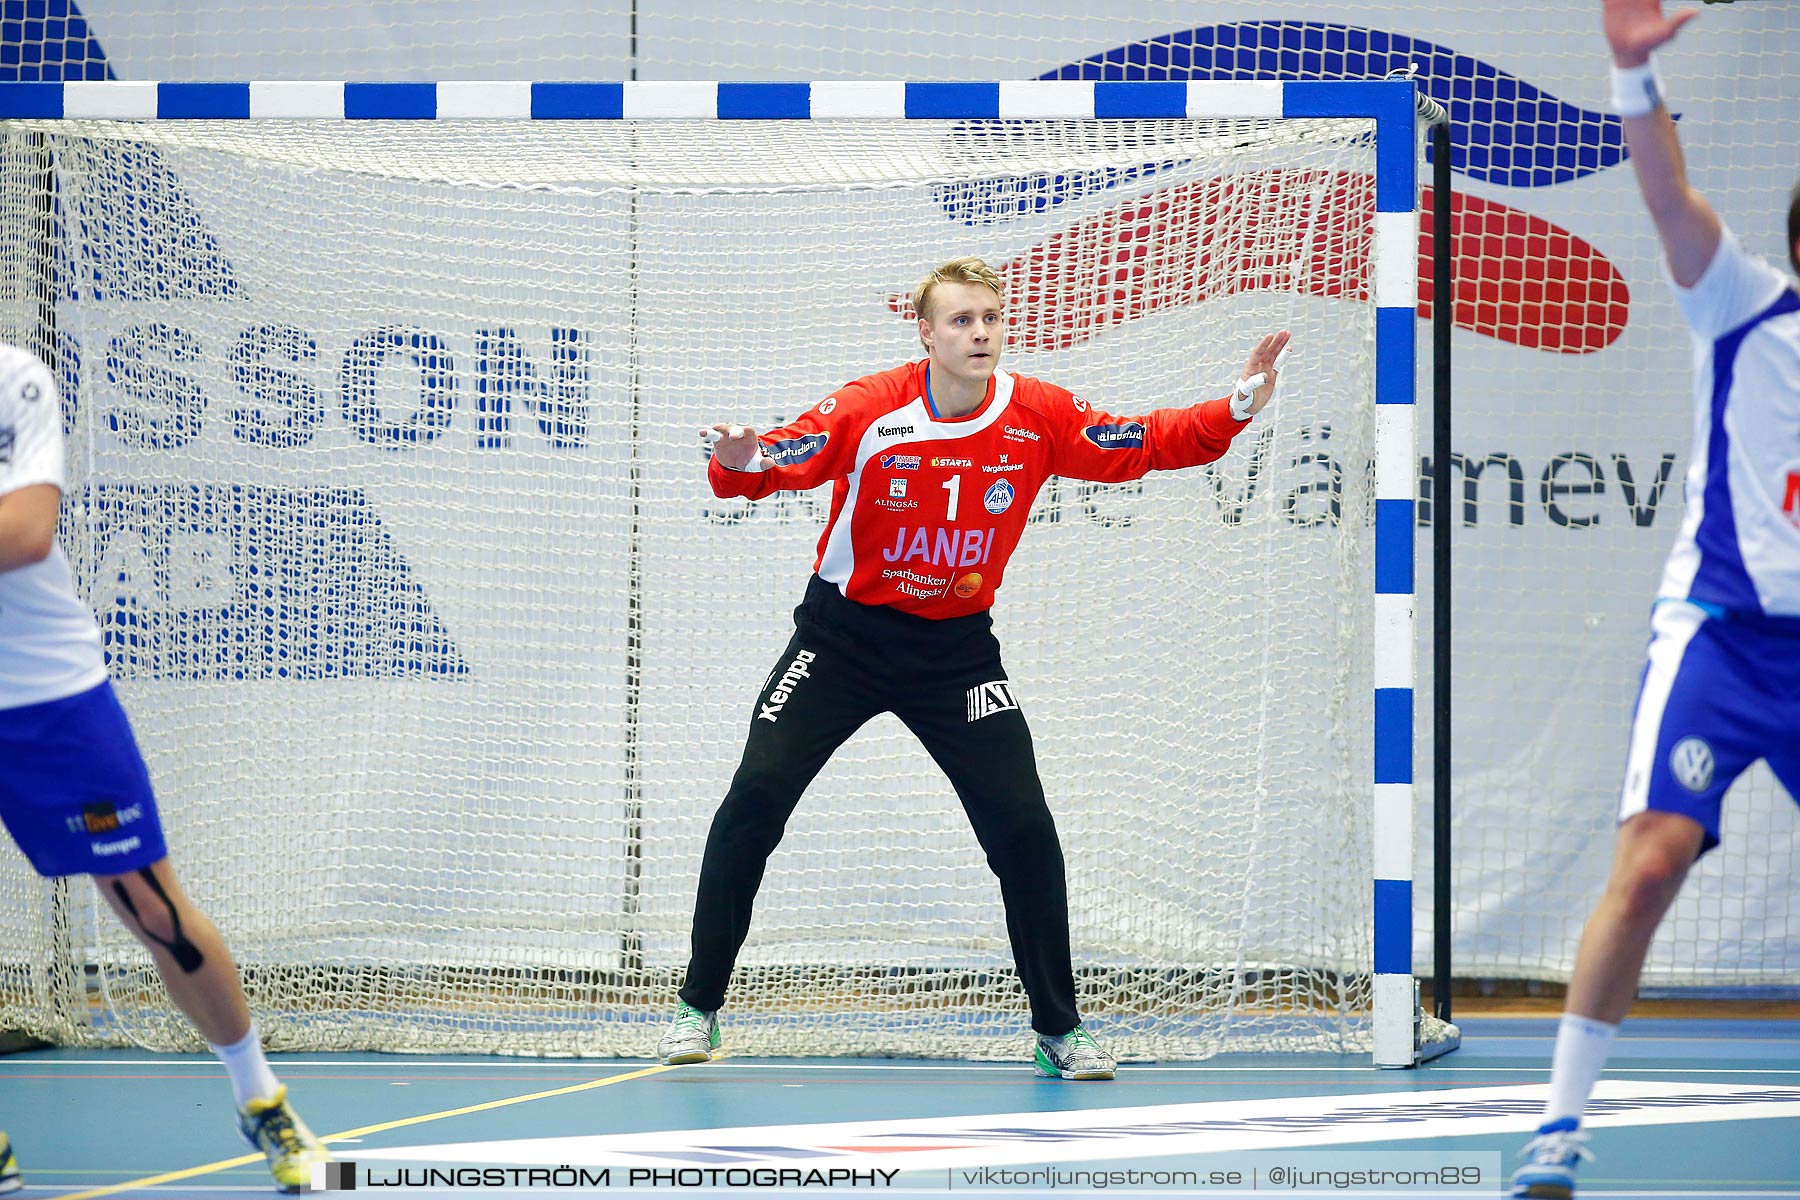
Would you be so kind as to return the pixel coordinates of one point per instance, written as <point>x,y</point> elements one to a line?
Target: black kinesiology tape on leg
<point>187,955</point>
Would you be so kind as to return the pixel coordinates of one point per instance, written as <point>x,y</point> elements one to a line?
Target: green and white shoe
<point>1074,1055</point>
<point>692,1037</point>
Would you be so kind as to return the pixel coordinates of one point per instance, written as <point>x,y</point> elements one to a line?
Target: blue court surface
<point>1701,1108</point>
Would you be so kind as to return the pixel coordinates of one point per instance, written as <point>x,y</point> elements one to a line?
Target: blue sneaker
<point>10,1180</point>
<point>1550,1161</point>
<point>692,1037</point>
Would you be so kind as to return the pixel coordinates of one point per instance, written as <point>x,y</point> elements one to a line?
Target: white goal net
<point>386,485</point>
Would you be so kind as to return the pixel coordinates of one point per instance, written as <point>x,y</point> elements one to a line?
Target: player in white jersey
<point>74,792</point>
<point>1722,685</point>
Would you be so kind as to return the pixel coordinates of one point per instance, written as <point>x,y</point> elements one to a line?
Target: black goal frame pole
<point>1442,314</point>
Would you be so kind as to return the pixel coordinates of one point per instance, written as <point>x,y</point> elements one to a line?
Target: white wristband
<point>1636,91</point>
<point>1245,396</point>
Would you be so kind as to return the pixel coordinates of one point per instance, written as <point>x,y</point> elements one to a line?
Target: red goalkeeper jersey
<point>925,510</point>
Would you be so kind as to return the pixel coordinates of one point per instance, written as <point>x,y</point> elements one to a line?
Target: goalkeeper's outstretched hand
<point>1256,387</point>
<point>735,446</point>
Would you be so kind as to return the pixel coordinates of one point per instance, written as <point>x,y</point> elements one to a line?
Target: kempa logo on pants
<point>986,699</point>
<point>784,687</point>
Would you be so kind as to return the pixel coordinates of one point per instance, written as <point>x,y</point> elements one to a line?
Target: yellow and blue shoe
<point>10,1179</point>
<point>272,1127</point>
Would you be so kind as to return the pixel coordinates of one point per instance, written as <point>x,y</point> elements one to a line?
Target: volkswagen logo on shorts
<point>1691,762</point>
<point>999,498</point>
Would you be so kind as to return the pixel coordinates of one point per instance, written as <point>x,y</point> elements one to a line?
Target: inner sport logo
<point>784,687</point>
<point>1691,762</point>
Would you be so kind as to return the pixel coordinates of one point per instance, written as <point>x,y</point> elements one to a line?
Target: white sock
<point>1581,1049</point>
<point>251,1078</point>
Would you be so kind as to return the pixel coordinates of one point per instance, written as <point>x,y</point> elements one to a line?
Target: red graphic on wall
<point>1517,277</point>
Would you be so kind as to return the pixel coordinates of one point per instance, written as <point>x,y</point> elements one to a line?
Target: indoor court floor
<point>1688,1107</point>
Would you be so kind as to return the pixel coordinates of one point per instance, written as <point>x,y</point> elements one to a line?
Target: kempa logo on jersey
<point>1121,436</point>
<point>900,462</point>
<point>784,687</point>
<point>894,430</point>
<point>986,699</point>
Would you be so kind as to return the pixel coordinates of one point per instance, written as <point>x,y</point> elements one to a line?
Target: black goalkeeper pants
<point>848,662</point>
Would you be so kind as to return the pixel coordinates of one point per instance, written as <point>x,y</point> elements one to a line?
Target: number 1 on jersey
<point>953,485</point>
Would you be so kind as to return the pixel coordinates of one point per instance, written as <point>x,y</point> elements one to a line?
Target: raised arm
<point>1685,222</point>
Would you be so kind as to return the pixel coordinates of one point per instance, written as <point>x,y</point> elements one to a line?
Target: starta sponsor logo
<point>952,462</point>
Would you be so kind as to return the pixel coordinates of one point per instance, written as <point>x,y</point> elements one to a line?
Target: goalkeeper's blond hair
<point>967,269</point>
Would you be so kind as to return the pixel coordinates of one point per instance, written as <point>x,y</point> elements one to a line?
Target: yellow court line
<point>244,1159</point>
